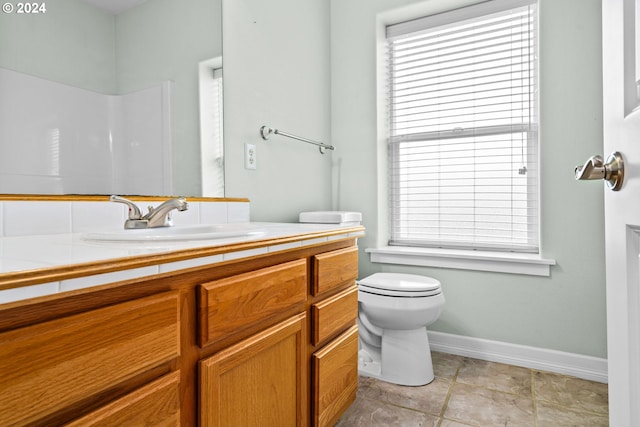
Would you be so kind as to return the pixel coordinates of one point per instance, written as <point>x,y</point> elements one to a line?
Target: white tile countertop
<point>43,264</point>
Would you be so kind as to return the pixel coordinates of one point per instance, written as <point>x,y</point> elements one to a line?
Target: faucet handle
<point>134,210</point>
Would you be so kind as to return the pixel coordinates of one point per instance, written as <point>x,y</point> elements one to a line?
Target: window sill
<point>503,262</point>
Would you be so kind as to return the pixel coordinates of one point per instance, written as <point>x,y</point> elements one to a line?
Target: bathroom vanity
<point>264,334</point>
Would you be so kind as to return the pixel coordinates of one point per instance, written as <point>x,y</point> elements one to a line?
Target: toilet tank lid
<point>331,217</point>
<point>400,282</point>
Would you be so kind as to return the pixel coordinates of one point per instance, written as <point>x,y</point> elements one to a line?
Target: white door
<point>621,74</point>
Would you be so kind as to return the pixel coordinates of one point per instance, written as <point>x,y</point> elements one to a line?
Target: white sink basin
<point>178,233</point>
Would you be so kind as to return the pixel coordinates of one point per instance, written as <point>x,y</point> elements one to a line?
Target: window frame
<point>490,260</point>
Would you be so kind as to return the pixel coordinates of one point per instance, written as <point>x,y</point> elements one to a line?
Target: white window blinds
<point>464,129</point>
<point>212,132</point>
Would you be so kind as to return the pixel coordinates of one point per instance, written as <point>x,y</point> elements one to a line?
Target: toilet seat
<point>400,285</point>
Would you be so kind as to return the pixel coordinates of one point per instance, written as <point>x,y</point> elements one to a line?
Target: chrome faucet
<point>156,217</point>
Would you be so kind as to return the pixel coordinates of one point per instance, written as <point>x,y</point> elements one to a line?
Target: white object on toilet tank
<point>331,217</point>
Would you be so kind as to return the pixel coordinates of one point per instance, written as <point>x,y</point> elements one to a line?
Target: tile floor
<point>471,392</point>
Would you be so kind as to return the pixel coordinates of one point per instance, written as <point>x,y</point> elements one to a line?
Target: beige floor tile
<point>429,398</point>
<point>446,365</point>
<point>483,407</point>
<point>480,394</point>
<point>571,392</point>
<point>496,376</point>
<point>449,423</point>
<point>556,416</point>
<point>373,413</point>
<point>364,383</point>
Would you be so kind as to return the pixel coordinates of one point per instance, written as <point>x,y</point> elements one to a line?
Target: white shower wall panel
<point>86,158</point>
<point>143,155</point>
<point>57,139</point>
<point>51,135</point>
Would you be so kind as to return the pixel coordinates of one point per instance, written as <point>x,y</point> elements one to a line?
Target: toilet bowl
<point>394,311</point>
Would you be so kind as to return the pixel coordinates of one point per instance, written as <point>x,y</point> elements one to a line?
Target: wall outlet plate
<point>250,156</point>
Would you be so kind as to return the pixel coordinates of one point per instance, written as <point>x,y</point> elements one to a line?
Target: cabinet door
<point>156,404</point>
<point>335,378</point>
<point>261,381</point>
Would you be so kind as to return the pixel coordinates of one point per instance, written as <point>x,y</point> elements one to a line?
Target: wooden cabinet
<point>156,404</point>
<point>334,312</point>
<point>233,304</point>
<point>266,341</point>
<point>335,378</point>
<point>261,381</point>
<point>50,369</point>
<point>242,385</point>
<point>334,269</point>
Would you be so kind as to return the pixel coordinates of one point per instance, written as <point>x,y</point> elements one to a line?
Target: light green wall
<point>276,68</point>
<point>72,43</point>
<point>165,40</point>
<point>564,312</point>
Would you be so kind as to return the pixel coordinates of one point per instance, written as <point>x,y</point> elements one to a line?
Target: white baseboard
<point>576,365</point>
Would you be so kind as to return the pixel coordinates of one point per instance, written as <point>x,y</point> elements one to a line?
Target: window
<point>211,127</point>
<point>463,129</point>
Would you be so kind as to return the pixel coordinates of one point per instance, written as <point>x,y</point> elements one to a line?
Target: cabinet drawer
<point>334,314</point>
<point>239,302</point>
<point>335,268</point>
<point>54,365</point>
<point>156,404</point>
<point>335,378</point>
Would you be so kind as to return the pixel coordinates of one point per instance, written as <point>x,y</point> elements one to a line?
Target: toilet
<point>394,310</point>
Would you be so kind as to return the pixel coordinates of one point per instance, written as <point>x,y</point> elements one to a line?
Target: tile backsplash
<point>27,218</point>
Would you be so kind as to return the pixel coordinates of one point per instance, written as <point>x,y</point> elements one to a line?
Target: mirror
<point>99,101</point>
